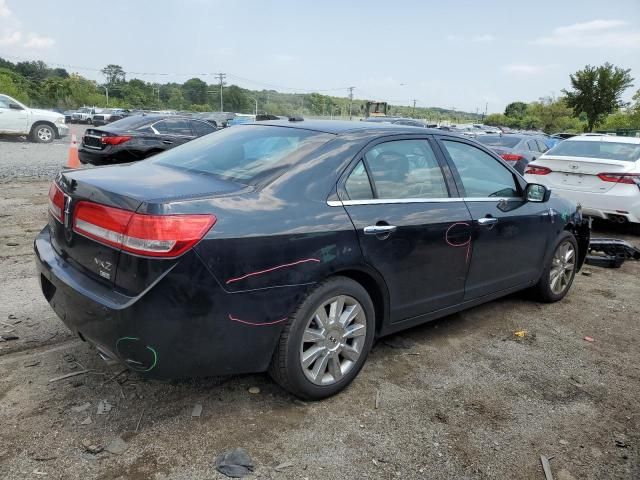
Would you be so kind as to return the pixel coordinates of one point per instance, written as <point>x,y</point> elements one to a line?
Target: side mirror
<point>537,193</point>
<point>15,106</point>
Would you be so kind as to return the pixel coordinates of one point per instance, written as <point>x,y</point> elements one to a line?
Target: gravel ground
<point>459,398</point>
<point>22,159</point>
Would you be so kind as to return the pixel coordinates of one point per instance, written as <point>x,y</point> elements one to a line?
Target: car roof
<point>604,138</point>
<point>337,127</point>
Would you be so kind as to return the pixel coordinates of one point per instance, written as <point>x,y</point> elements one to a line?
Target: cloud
<point>593,34</point>
<point>10,38</point>
<point>486,38</point>
<point>38,42</point>
<point>12,34</point>
<point>4,10</point>
<point>525,69</point>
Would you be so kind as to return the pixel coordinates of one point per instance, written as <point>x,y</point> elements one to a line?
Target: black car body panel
<point>220,307</point>
<point>143,138</point>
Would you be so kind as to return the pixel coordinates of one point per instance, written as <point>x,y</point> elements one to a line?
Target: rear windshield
<point>626,152</point>
<point>248,154</point>
<point>498,141</point>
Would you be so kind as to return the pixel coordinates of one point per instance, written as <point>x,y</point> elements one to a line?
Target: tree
<point>596,92</point>
<point>113,74</point>
<point>195,91</point>
<point>34,71</point>
<point>235,100</point>
<point>516,110</point>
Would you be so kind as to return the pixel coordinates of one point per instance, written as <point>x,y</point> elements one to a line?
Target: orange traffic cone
<point>73,160</point>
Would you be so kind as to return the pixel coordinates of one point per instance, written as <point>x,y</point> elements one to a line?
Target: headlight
<point>60,120</point>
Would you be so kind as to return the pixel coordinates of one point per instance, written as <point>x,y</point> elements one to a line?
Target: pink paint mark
<point>466,243</point>
<point>254,324</point>
<point>277,267</point>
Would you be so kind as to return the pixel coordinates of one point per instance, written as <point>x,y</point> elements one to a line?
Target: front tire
<point>43,134</point>
<point>326,341</point>
<point>558,274</point>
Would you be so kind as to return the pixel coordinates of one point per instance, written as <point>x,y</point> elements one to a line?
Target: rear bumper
<point>621,200</point>
<point>184,325</point>
<point>105,157</point>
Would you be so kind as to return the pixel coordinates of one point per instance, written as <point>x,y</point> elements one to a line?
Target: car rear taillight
<point>56,202</point>
<point>147,235</point>
<point>537,170</point>
<point>628,178</point>
<point>511,157</point>
<point>117,140</point>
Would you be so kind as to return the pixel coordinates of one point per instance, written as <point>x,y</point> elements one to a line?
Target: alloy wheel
<point>44,134</point>
<point>562,267</point>
<point>333,340</point>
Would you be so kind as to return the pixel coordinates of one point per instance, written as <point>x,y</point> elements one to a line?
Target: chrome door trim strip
<point>390,201</point>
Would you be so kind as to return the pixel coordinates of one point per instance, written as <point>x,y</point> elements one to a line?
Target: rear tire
<point>557,276</point>
<point>319,354</point>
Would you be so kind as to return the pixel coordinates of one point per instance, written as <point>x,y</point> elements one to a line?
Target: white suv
<point>600,172</point>
<point>41,126</point>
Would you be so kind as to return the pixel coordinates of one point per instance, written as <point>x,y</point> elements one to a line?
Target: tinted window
<point>627,152</point>
<point>131,123</point>
<point>498,141</point>
<point>406,169</point>
<point>201,128</point>
<point>247,153</point>
<point>357,185</point>
<point>481,174</point>
<point>173,126</point>
<point>542,146</point>
<point>532,146</point>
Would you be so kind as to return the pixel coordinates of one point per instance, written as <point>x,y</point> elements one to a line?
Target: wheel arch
<point>582,232</point>
<point>375,286</point>
<point>44,122</point>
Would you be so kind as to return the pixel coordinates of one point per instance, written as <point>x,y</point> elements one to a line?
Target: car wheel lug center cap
<point>333,340</point>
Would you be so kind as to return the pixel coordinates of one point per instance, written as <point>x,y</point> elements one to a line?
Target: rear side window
<point>532,146</point>
<point>173,126</point>
<point>248,154</point>
<point>406,169</point>
<point>542,146</point>
<point>626,152</point>
<point>201,128</point>
<point>481,174</point>
<point>357,185</point>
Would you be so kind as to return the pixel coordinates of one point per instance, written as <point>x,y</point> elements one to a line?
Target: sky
<point>469,55</point>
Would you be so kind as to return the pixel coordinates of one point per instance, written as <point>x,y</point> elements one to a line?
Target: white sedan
<point>601,173</point>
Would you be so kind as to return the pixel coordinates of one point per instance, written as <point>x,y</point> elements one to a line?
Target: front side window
<point>201,128</point>
<point>406,169</point>
<point>173,126</point>
<point>480,173</point>
<point>4,102</point>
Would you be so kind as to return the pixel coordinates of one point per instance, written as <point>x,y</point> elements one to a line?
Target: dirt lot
<point>460,398</point>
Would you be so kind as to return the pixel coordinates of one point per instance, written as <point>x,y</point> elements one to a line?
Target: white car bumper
<point>63,129</point>
<point>621,200</point>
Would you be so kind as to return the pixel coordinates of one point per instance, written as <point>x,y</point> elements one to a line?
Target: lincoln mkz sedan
<point>290,246</point>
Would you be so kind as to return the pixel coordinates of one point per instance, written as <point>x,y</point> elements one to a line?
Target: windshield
<point>247,153</point>
<point>498,141</point>
<point>626,152</point>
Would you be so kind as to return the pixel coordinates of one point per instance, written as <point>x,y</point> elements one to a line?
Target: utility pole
<point>350,102</point>
<point>414,107</point>
<point>221,76</point>
<point>106,92</point>
<point>486,107</point>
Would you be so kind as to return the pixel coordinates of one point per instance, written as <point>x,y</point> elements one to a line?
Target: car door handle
<point>379,229</point>
<point>487,221</point>
<point>167,142</point>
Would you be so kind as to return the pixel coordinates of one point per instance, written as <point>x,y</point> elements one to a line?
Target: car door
<point>510,234</point>
<point>174,132</point>
<point>412,226</point>
<point>12,120</point>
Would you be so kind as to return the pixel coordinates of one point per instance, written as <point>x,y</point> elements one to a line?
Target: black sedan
<point>137,137</point>
<point>289,246</point>
<point>517,149</point>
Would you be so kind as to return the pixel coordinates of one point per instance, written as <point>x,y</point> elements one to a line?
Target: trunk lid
<point>138,187</point>
<point>581,173</point>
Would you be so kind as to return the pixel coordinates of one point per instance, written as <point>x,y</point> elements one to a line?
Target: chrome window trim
<point>390,201</point>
